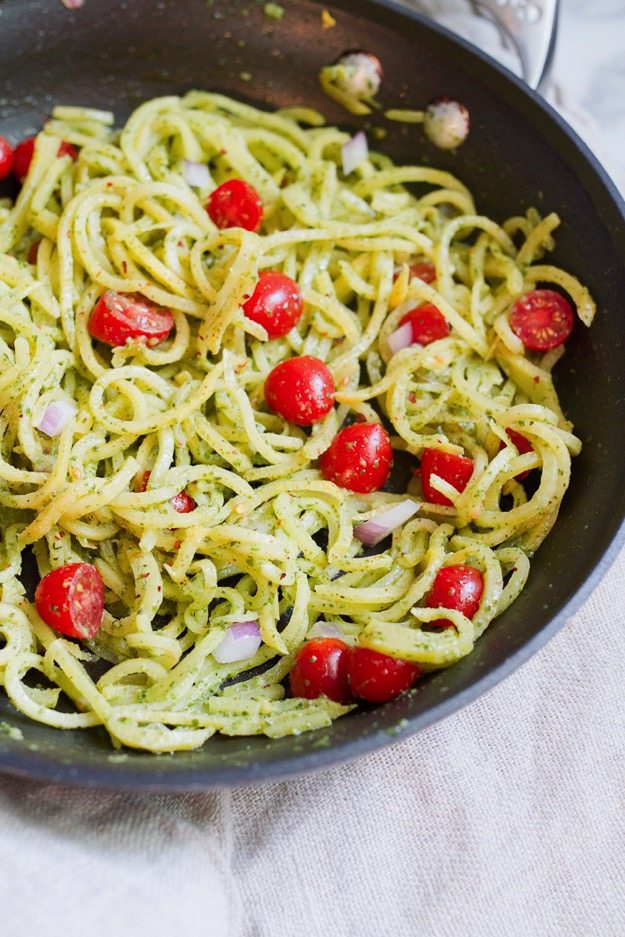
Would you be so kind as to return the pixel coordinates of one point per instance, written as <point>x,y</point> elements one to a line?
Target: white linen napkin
<point>505,820</point>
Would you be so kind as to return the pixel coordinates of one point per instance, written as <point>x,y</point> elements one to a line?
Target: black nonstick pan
<point>115,53</point>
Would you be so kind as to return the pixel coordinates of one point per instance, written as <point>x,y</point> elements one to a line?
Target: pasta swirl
<point>269,540</point>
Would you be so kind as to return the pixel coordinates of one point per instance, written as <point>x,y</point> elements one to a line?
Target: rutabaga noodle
<point>270,540</point>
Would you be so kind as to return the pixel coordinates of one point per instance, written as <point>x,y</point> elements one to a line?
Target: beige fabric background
<point>506,820</point>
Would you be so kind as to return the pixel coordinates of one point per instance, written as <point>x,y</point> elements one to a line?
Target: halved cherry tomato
<point>455,469</point>
<point>300,389</point>
<point>33,251</point>
<point>423,269</point>
<point>182,502</point>
<point>428,324</point>
<point>377,677</point>
<point>235,204</point>
<point>71,600</point>
<point>359,458</point>
<point>456,587</point>
<point>523,445</point>
<point>6,157</point>
<point>23,155</point>
<point>320,669</point>
<point>276,303</point>
<point>121,317</point>
<point>542,319</point>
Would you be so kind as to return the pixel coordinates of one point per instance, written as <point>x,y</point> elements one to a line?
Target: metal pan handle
<point>531,26</point>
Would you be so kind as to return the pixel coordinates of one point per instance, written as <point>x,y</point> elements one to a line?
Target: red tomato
<point>428,324</point>
<point>300,389</point>
<point>320,669</point>
<point>71,600</point>
<point>377,677</point>
<point>182,502</point>
<point>455,469</point>
<point>121,317</point>
<point>457,587</point>
<point>423,269</point>
<point>6,157</point>
<point>276,303</point>
<point>359,458</point>
<point>33,251</point>
<point>523,445</point>
<point>23,155</point>
<point>67,149</point>
<point>235,204</point>
<point>542,319</point>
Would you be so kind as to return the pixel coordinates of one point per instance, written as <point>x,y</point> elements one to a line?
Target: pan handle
<point>531,26</point>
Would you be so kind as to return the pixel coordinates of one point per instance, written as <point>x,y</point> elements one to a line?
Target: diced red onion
<point>377,528</point>
<point>240,641</point>
<point>354,152</point>
<point>196,174</point>
<point>73,4</point>
<point>325,629</point>
<point>400,338</point>
<point>54,418</point>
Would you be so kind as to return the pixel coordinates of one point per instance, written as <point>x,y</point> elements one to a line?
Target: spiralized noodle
<point>270,540</point>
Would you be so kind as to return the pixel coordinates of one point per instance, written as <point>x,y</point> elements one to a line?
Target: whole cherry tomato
<point>23,155</point>
<point>320,669</point>
<point>6,157</point>
<point>455,469</point>
<point>359,458</point>
<point>70,599</point>
<point>182,502</point>
<point>457,587</point>
<point>300,389</point>
<point>377,677</point>
<point>428,324</point>
<point>235,204</point>
<point>276,303</point>
<point>120,317</point>
<point>542,319</point>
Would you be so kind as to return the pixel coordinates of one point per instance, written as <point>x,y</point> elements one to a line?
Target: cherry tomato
<point>428,324</point>
<point>455,469</point>
<point>6,157</point>
<point>523,445</point>
<point>359,458</point>
<point>377,677</point>
<point>120,317</point>
<point>182,502</point>
<point>23,155</point>
<point>235,204</point>
<point>542,319</point>
<point>456,587</point>
<point>71,600</point>
<point>33,251</point>
<point>423,269</point>
<point>320,669</point>
<point>300,389</point>
<point>276,303</point>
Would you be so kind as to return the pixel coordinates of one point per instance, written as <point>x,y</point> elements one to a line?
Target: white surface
<point>506,820</point>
